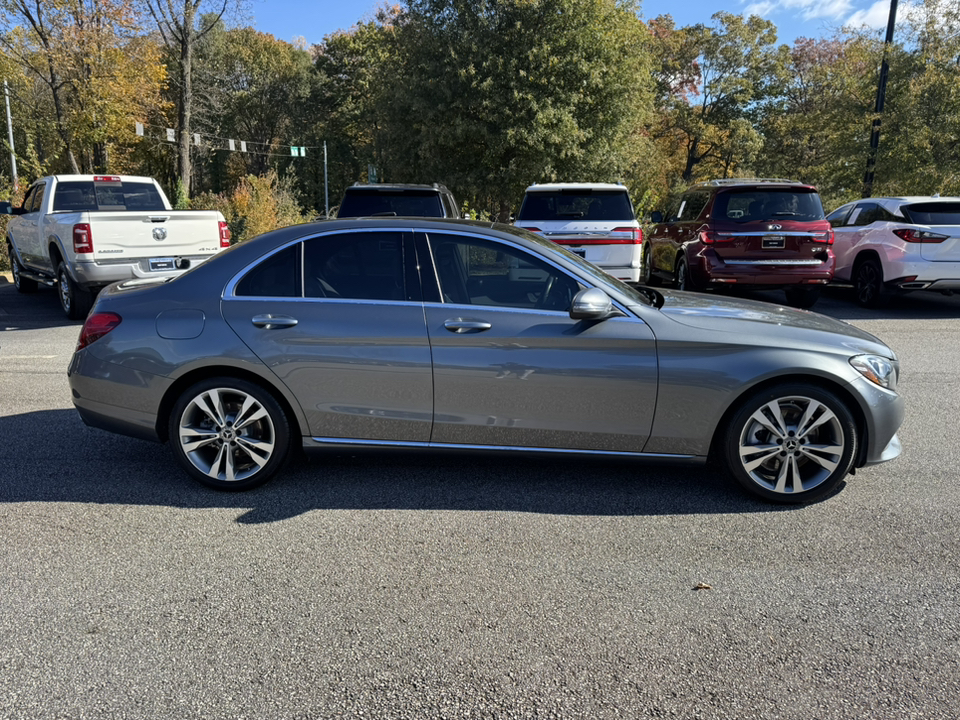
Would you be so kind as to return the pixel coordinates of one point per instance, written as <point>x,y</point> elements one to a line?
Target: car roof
<point>554,187</point>
<point>396,186</point>
<point>736,183</point>
<point>894,203</point>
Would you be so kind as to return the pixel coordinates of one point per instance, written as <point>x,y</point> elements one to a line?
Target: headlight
<point>876,369</point>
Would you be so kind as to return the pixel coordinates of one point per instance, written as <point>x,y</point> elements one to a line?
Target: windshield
<point>760,204</point>
<point>599,276</point>
<point>590,205</point>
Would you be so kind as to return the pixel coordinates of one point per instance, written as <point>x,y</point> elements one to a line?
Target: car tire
<point>792,443</point>
<point>229,434</point>
<point>868,283</point>
<point>650,279</point>
<point>802,297</point>
<point>682,277</point>
<point>21,283</point>
<point>74,300</point>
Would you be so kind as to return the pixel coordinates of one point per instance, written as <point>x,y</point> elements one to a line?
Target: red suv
<point>748,233</point>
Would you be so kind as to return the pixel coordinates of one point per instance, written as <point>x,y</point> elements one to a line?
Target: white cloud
<point>875,16</point>
<point>762,9</point>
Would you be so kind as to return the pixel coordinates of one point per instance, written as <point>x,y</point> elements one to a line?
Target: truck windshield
<point>87,195</point>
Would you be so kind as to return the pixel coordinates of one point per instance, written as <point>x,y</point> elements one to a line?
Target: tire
<point>792,443</point>
<point>650,279</point>
<point>75,301</point>
<point>682,277</point>
<point>23,284</point>
<point>802,297</point>
<point>868,283</point>
<point>229,434</point>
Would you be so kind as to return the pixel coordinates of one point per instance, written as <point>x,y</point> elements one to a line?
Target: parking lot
<point>420,586</point>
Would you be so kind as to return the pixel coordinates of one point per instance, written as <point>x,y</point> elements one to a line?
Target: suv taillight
<point>636,236</point>
<point>825,238</point>
<point>224,234</point>
<point>82,238</point>
<point>95,327</point>
<point>919,236</point>
<point>711,237</point>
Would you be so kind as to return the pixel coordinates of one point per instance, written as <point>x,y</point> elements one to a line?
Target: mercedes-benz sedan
<point>415,333</point>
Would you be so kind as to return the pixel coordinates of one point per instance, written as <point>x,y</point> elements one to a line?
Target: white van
<point>594,220</point>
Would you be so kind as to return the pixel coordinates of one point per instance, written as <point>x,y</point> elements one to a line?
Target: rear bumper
<point>95,275</point>
<point>711,269</point>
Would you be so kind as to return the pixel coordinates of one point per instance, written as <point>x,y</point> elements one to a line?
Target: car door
<point>25,228</point>
<point>338,319</point>
<point>852,234</point>
<point>512,369</point>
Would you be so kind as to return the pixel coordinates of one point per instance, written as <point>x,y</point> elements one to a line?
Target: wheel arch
<point>180,385</point>
<point>863,256</point>
<point>837,388</point>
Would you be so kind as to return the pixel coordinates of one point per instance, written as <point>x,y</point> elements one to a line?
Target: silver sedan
<point>414,333</point>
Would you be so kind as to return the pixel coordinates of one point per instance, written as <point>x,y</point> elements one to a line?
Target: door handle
<point>459,325</point>
<point>270,322</point>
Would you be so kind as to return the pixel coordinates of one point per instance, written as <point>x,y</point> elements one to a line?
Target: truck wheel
<point>74,300</point>
<point>23,284</point>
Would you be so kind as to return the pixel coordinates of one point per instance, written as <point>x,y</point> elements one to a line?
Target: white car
<point>892,244</point>
<point>594,220</point>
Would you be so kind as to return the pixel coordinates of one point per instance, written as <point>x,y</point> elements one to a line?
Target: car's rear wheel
<point>791,443</point>
<point>229,433</point>
<point>74,300</point>
<point>682,276</point>
<point>21,283</point>
<point>649,277</point>
<point>868,283</point>
<point>802,297</point>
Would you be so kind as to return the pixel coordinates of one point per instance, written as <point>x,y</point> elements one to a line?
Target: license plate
<point>773,242</point>
<point>157,264</point>
<point>579,251</point>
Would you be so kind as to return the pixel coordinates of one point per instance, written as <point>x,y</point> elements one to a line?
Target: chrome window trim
<point>803,263</point>
<point>331,441</point>
<point>764,233</point>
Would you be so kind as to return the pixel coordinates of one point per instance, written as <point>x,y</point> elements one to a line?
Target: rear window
<point>413,203</point>
<point>597,205</point>
<point>933,213</point>
<point>87,195</point>
<point>758,204</point>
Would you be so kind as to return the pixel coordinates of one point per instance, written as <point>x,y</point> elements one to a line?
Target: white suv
<point>897,243</point>
<point>594,220</point>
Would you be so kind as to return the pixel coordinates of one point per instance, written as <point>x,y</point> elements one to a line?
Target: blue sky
<point>313,19</point>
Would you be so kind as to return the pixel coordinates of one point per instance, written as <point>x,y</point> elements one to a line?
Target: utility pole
<point>878,108</point>
<point>326,190</point>
<point>13,155</point>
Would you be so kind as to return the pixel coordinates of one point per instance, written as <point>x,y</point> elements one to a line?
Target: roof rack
<point>741,181</point>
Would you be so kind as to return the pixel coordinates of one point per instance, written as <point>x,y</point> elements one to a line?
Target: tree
<point>180,27</point>
<point>488,96</point>
<point>709,80</point>
<point>95,66</point>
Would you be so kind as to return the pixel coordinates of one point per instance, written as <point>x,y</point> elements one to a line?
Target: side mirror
<point>8,209</point>
<point>656,216</point>
<point>591,304</point>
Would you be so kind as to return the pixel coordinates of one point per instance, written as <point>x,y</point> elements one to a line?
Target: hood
<point>767,323</point>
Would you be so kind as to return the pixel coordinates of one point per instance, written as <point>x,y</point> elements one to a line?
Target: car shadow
<point>839,302</point>
<point>51,456</point>
<point>30,311</point>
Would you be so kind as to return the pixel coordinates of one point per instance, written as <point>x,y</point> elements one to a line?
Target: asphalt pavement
<point>394,585</point>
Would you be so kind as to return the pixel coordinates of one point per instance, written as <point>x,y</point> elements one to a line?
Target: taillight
<point>533,229</point>
<point>636,236</point>
<point>711,237</point>
<point>919,236</point>
<point>96,326</point>
<point>224,234</point>
<point>82,238</point>
<point>825,238</point>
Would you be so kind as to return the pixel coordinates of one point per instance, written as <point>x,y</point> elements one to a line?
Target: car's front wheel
<point>229,434</point>
<point>650,278</point>
<point>21,283</point>
<point>791,443</point>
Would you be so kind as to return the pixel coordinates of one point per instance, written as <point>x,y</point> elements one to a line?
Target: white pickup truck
<point>83,232</point>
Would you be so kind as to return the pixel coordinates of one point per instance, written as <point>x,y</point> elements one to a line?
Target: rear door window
<point>277,276</point>
<point>358,266</point>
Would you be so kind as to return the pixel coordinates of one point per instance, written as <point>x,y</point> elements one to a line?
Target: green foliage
<point>257,205</point>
